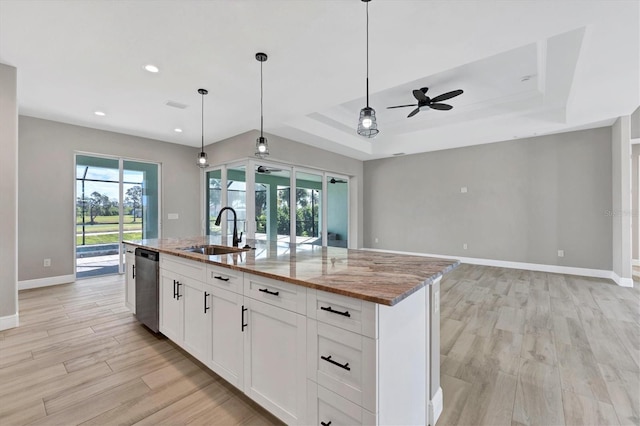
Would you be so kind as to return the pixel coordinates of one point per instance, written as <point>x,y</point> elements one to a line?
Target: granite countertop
<point>385,278</point>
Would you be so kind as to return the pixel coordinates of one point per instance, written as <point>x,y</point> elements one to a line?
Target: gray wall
<point>288,151</point>
<point>8,191</point>
<point>47,179</point>
<point>526,200</point>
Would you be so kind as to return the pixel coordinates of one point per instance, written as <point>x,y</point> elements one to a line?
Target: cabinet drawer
<point>343,362</point>
<point>186,268</point>
<point>327,408</point>
<point>278,293</point>
<point>225,278</point>
<point>345,312</point>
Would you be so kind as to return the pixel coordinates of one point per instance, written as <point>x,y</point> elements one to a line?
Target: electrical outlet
<point>376,240</point>
<point>47,263</point>
<point>463,190</point>
<point>464,246</point>
<point>560,253</point>
<point>173,216</point>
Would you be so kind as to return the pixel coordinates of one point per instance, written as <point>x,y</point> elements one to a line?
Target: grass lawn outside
<point>107,238</point>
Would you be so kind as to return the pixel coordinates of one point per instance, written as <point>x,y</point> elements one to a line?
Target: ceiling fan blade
<point>402,106</point>
<point>414,112</point>
<point>421,97</point>
<point>424,90</point>
<point>442,107</point>
<point>447,95</point>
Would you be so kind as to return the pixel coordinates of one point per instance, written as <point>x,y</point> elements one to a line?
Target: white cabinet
<point>171,306</point>
<point>329,409</point>
<point>130,277</point>
<point>274,360</point>
<point>197,318</point>
<point>226,343</point>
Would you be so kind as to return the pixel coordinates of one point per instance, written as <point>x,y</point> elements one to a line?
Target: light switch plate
<point>173,216</point>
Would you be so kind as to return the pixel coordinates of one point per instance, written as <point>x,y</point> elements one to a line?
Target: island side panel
<point>434,391</point>
<point>403,360</point>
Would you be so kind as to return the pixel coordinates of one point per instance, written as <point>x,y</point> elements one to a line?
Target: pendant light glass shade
<point>202,160</point>
<point>262,147</point>
<point>367,124</point>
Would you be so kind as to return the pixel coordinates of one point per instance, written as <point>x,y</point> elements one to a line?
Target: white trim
<point>556,269</point>
<point>435,407</point>
<point>10,321</point>
<point>635,141</point>
<point>622,282</point>
<point>635,262</point>
<point>46,282</point>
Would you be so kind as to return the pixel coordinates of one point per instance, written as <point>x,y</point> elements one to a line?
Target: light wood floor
<point>518,347</point>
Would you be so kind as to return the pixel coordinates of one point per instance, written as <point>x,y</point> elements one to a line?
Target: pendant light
<point>367,125</point>
<point>262,148</point>
<point>202,157</point>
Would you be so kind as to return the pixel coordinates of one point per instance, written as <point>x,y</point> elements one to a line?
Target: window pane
<point>272,203</point>
<point>214,200</point>
<point>337,211</point>
<point>308,208</point>
<point>237,198</point>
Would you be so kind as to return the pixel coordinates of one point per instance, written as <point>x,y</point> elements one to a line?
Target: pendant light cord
<point>261,117</point>
<point>202,123</point>
<point>367,54</point>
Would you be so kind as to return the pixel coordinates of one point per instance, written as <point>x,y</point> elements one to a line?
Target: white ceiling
<point>73,57</point>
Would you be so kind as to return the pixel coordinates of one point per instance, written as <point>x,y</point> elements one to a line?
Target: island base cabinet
<point>171,306</point>
<point>328,408</point>
<point>130,278</point>
<point>197,319</point>
<point>274,360</point>
<point>227,341</point>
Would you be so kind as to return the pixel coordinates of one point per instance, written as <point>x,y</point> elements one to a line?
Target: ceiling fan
<point>266,170</point>
<point>425,101</point>
<point>334,180</point>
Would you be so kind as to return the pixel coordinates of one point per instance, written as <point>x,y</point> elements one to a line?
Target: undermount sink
<point>212,249</point>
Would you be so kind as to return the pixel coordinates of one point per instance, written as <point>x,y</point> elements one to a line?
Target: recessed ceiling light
<point>99,113</point>
<point>151,68</point>
<point>177,130</point>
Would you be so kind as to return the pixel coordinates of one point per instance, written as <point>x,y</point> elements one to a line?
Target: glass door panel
<point>308,208</point>
<point>337,211</point>
<point>272,199</point>
<point>214,201</point>
<point>97,216</point>
<point>237,198</point>
<point>141,200</point>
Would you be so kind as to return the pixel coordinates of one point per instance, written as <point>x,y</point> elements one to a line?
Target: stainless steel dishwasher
<point>147,288</point>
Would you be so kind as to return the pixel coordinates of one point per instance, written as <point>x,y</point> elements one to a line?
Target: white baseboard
<point>622,282</point>
<point>45,282</point>
<point>10,321</point>
<point>556,269</point>
<point>435,407</point>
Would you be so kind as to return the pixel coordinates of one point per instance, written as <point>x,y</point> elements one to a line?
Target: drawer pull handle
<point>221,278</point>
<point>242,319</point>
<point>174,289</point>
<point>206,308</point>
<point>178,295</point>
<point>266,290</point>
<point>333,311</point>
<point>328,359</point>
<point>325,424</point>
<point>134,272</point>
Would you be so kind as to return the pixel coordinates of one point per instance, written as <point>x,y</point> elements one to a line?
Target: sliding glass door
<point>116,199</point>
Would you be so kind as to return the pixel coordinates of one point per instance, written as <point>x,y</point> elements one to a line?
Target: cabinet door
<point>274,361</point>
<point>227,345</point>
<point>130,280</point>
<point>171,306</point>
<point>197,318</point>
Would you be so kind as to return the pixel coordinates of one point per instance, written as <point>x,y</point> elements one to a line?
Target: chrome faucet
<point>236,239</point>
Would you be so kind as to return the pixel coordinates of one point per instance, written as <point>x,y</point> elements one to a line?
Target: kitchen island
<point>316,335</point>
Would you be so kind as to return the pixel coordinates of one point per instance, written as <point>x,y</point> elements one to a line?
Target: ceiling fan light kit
<point>262,147</point>
<point>202,161</point>
<point>367,124</point>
